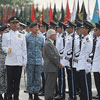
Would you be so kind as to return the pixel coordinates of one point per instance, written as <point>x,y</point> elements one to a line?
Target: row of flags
<point>30,13</point>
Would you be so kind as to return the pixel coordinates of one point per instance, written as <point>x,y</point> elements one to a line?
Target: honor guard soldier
<point>96,59</point>
<point>27,28</point>
<point>14,45</point>
<point>22,28</point>
<point>52,25</point>
<point>60,44</point>
<point>68,54</point>
<point>43,29</point>
<point>35,43</point>
<point>83,65</point>
<point>77,48</point>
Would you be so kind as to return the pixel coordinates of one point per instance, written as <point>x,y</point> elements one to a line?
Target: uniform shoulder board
<point>6,31</point>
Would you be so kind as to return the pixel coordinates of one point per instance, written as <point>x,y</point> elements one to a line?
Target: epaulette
<point>6,31</point>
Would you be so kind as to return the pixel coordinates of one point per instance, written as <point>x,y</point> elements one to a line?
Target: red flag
<point>50,13</point>
<point>43,16</point>
<point>33,13</point>
<point>13,12</point>
<point>67,16</point>
<point>7,16</point>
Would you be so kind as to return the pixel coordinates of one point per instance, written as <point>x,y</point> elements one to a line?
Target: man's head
<point>14,23</point>
<point>51,34</point>
<point>97,30</point>
<point>86,28</point>
<point>34,27</point>
<point>22,26</point>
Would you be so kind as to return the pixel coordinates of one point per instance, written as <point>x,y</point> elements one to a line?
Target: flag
<point>62,14</point>
<point>88,14</point>
<point>47,16</point>
<point>82,14</point>
<point>50,13</point>
<point>95,18</point>
<point>73,15</point>
<point>67,16</point>
<point>13,12</point>
<point>37,14</point>
<point>0,15</point>
<point>33,13</point>
<point>42,18</point>
<point>7,16</point>
<point>55,14</point>
<point>77,12</point>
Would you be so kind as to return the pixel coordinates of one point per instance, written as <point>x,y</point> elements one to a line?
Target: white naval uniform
<point>76,49</point>
<point>96,59</point>
<point>60,46</point>
<point>86,50</point>
<point>16,41</point>
<point>68,48</point>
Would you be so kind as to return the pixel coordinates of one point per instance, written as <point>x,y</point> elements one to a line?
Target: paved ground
<point>24,96</point>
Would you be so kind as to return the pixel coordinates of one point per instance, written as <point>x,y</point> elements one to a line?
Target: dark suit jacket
<point>51,57</point>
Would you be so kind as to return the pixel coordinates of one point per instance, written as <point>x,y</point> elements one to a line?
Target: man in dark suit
<point>51,64</point>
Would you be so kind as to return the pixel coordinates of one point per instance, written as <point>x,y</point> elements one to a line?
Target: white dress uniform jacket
<point>96,60</point>
<point>68,49</point>
<point>16,41</point>
<point>76,49</point>
<point>86,50</point>
<point>60,46</point>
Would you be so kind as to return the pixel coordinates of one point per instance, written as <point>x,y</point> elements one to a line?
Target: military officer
<point>22,28</point>
<point>27,28</point>
<point>60,44</point>
<point>35,44</point>
<point>83,66</point>
<point>14,45</point>
<point>68,56</point>
<point>77,48</point>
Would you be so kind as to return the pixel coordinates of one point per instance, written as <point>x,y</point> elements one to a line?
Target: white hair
<point>50,32</point>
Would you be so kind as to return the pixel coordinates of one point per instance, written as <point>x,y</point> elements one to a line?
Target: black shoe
<point>1,98</point>
<point>58,97</point>
<point>37,98</point>
<point>30,97</point>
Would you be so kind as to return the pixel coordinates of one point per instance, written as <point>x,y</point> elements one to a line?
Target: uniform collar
<point>51,41</point>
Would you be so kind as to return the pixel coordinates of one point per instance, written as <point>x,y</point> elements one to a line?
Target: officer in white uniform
<point>83,67</point>
<point>22,28</point>
<point>96,60</point>
<point>77,48</point>
<point>68,52</point>
<point>60,44</point>
<point>14,44</point>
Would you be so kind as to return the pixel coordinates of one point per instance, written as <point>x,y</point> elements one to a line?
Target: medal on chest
<point>19,36</point>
